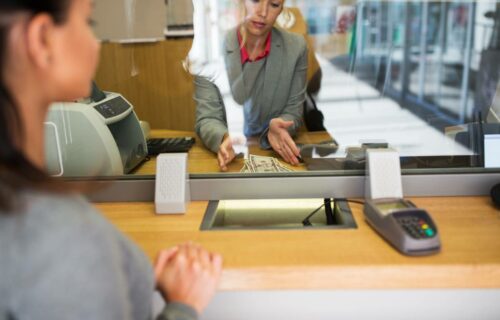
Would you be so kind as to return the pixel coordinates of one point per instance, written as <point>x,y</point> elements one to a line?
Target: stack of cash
<point>263,165</point>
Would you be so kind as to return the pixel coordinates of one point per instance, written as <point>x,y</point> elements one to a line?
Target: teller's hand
<point>226,153</point>
<point>282,142</point>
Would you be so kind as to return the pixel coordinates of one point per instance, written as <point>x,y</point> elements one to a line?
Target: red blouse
<point>244,53</point>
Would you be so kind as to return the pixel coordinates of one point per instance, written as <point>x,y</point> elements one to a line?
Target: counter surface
<point>202,160</point>
<point>332,259</point>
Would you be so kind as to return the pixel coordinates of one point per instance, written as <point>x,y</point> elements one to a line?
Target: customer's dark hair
<point>16,171</point>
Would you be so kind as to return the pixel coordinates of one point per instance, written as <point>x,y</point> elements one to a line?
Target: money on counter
<point>263,164</point>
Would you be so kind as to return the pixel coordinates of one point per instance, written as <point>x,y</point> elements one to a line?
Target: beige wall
<point>119,20</point>
<point>161,92</point>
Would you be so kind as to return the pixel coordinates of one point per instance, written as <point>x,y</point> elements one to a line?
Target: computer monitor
<point>492,133</point>
<point>494,112</point>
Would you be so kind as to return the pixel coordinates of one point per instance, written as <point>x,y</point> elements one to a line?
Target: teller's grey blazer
<point>281,95</point>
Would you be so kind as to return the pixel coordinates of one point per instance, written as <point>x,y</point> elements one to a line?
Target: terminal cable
<point>330,214</point>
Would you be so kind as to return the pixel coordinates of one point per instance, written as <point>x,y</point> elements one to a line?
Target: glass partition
<point>421,77</point>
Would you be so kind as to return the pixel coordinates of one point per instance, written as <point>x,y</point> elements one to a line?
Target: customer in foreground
<point>59,258</point>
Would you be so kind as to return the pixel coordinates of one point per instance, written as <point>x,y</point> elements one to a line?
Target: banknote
<point>263,164</point>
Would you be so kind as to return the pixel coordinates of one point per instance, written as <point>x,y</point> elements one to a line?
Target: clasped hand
<point>188,274</point>
<point>282,142</point>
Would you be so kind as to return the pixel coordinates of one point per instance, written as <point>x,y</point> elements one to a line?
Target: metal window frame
<point>218,187</point>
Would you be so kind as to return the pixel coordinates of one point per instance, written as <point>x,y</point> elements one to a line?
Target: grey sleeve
<point>76,274</point>
<point>293,110</point>
<point>178,311</point>
<point>211,122</point>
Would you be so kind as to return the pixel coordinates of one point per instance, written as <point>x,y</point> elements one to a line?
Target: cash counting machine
<point>93,137</point>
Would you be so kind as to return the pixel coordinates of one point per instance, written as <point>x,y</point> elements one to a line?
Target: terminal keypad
<point>417,227</point>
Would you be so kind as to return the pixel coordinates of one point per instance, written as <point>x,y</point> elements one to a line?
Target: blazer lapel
<point>234,67</point>
<point>273,67</point>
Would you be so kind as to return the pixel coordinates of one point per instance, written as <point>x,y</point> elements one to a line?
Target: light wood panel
<point>152,78</point>
<point>332,259</point>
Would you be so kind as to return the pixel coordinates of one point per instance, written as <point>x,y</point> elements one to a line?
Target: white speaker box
<point>383,174</point>
<point>171,185</point>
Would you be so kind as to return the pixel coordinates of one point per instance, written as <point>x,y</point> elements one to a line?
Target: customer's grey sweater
<point>60,259</point>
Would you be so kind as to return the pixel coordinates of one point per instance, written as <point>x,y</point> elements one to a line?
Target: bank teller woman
<point>266,68</point>
<point>59,258</point>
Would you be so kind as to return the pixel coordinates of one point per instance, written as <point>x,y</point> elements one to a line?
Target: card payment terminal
<point>406,227</point>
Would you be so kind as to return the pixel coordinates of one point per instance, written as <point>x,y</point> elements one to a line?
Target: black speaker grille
<point>495,195</point>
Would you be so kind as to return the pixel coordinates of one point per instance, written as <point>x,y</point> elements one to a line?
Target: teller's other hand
<point>226,153</point>
<point>282,142</point>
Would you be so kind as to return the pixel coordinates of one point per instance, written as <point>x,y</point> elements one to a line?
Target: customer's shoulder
<point>54,199</point>
<point>61,237</point>
<point>40,201</point>
<point>46,226</point>
<point>52,210</point>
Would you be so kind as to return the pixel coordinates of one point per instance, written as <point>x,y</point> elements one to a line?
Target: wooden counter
<point>202,160</point>
<point>332,259</point>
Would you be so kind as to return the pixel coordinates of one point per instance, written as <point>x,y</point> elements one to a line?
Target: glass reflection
<point>417,76</point>
<point>266,69</point>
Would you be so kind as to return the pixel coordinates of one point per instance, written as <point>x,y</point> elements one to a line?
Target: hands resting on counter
<point>279,138</point>
<point>188,274</point>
